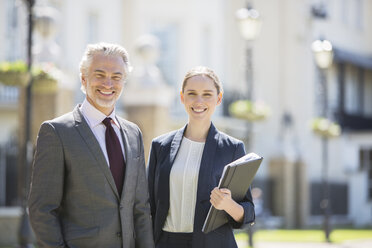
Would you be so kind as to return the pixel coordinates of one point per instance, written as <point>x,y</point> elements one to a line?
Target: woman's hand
<point>221,200</point>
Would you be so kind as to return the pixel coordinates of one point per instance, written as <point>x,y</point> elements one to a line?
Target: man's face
<point>104,81</point>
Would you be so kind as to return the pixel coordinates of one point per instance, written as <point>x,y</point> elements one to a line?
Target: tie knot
<point>107,121</point>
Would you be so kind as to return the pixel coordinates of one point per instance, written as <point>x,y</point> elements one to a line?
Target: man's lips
<point>106,92</point>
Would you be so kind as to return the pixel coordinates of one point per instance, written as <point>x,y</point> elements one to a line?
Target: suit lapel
<point>93,145</point>
<point>129,159</point>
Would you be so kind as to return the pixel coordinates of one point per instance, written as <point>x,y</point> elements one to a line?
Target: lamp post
<point>249,23</point>
<point>24,232</point>
<point>323,55</point>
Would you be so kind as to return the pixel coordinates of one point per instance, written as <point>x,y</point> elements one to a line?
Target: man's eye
<point>99,76</point>
<point>117,78</point>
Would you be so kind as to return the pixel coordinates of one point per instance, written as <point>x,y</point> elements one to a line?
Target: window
<point>168,36</point>
<point>14,43</point>
<point>367,91</point>
<point>365,162</point>
<point>351,90</point>
<point>93,21</point>
<point>358,14</point>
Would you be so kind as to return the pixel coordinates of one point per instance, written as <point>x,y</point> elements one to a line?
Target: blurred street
<point>348,244</point>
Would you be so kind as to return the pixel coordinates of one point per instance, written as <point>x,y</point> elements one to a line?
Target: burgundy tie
<point>115,155</point>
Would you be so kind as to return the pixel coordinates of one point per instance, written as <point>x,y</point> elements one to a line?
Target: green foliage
<point>248,110</point>
<point>307,236</point>
<point>325,128</point>
<point>14,73</point>
<point>17,66</point>
<point>44,76</point>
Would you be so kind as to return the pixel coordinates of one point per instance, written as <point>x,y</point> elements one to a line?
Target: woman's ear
<point>219,100</point>
<point>181,96</point>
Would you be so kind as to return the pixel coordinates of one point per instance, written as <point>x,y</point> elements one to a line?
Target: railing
<point>354,122</point>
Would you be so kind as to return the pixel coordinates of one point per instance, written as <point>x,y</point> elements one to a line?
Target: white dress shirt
<point>183,184</point>
<point>94,118</point>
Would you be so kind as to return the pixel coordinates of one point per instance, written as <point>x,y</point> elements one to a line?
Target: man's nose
<point>108,82</point>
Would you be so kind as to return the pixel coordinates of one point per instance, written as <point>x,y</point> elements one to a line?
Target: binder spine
<point>230,172</point>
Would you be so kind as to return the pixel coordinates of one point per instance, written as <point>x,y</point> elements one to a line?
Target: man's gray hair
<point>105,49</point>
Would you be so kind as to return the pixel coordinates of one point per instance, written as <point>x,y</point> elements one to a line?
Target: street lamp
<point>249,23</point>
<point>323,55</point>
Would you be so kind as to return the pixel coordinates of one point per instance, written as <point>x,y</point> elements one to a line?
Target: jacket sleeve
<point>142,217</point>
<point>247,202</point>
<point>46,190</point>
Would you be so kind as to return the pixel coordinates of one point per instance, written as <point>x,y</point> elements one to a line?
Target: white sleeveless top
<point>183,184</point>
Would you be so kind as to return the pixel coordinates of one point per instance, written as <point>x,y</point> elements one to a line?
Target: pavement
<point>348,244</point>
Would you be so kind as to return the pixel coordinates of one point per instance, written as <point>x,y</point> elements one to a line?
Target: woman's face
<point>200,98</point>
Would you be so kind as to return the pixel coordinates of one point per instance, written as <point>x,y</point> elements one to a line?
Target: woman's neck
<point>197,131</point>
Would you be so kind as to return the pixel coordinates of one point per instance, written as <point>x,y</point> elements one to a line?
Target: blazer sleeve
<point>142,218</point>
<point>46,190</point>
<point>247,202</point>
<point>151,178</point>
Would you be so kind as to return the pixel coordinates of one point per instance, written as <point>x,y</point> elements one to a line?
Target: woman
<point>185,167</point>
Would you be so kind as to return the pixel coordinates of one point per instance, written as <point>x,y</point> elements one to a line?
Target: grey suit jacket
<point>73,199</point>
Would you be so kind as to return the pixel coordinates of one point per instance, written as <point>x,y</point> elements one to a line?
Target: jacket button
<point>121,206</point>
<point>118,234</point>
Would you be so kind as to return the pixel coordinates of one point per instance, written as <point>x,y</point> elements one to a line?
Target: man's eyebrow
<point>102,71</point>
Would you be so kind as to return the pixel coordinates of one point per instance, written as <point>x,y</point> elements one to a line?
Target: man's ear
<point>83,80</point>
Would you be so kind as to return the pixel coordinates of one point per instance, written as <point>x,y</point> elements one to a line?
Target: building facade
<point>284,75</point>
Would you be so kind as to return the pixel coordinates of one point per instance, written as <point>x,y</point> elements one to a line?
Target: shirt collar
<point>94,116</point>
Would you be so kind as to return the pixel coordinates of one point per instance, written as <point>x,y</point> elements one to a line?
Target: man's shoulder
<point>62,119</point>
<point>128,124</point>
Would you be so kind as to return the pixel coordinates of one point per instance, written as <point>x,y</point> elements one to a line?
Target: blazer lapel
<point>167,166</point>
<point>93,145</point>
<point>206,167</point>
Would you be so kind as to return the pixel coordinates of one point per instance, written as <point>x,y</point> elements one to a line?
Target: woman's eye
<point>191,94</point>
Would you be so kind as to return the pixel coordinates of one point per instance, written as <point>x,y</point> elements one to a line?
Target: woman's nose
<point>199,99</point>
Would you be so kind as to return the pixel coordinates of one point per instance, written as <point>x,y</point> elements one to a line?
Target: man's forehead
<point>107,62</point>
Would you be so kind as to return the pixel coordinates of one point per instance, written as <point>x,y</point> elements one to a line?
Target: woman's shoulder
<point>165,138</point>
<point>225,138</point>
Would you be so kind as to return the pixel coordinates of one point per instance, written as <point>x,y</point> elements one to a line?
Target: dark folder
<point>237,177</point>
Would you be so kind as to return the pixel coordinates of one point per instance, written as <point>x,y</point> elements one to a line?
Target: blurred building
<point>205,32</point>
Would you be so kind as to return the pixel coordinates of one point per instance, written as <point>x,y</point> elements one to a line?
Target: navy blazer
<point>219,150</point>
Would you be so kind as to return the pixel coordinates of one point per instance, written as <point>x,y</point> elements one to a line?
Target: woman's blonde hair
<point>203,71</point>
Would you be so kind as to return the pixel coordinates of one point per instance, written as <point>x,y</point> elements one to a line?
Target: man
<point>88,187</point>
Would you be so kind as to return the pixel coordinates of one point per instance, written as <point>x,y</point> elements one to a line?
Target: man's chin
<point>106,104</point>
